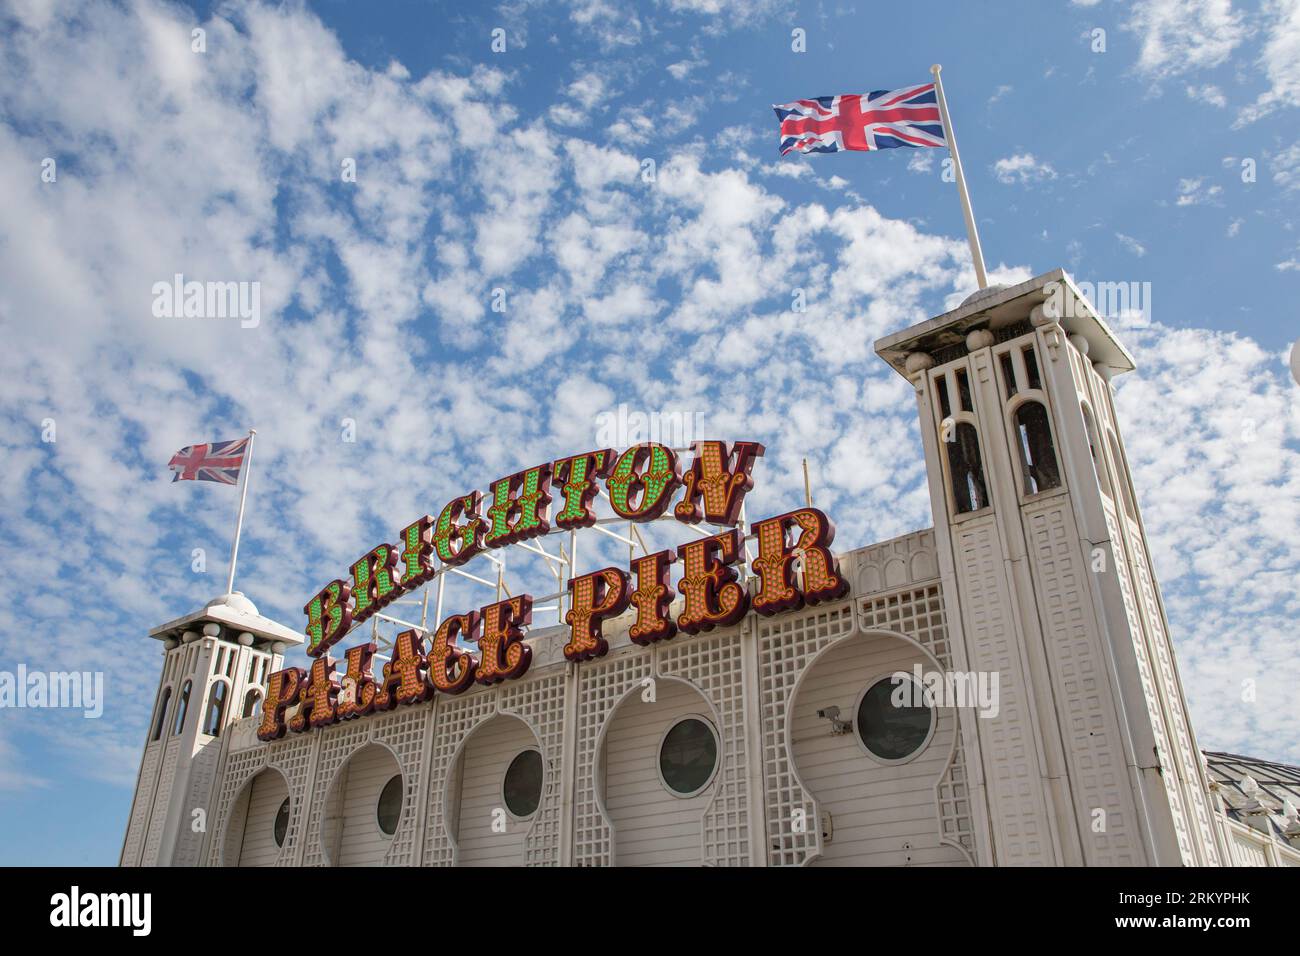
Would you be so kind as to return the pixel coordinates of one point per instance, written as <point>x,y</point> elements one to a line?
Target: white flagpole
<point>972,234</point>
<point>239,522</point>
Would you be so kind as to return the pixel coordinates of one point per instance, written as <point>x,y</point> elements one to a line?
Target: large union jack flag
<point>219,461</point>
<point>880,120</point>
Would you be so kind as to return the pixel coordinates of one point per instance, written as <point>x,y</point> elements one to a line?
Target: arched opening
<point>216,710</point>
<point>251,700</point>
<point>1098,466</point>
<point>160,720</point>
<point>182,706</point>
<point>1039,469</point>
<point>657,774</point>
<point>494,792</point>
<point>259,821</point>
<point>360,810</point>
<point>1122,473</point>
<point>966,470</point>
<point>871,746</point>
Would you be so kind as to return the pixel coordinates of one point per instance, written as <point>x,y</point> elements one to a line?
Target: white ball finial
<point>918,362</point>
<point>1045,313</point>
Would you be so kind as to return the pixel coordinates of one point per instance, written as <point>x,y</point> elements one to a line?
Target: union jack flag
<point>880,120</point>
<point>219,461</point>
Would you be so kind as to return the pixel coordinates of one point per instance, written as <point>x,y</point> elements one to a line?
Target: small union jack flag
<point>219,461</point>
<point>881,120</point>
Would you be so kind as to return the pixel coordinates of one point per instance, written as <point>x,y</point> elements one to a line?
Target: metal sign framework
<point>563,566</point>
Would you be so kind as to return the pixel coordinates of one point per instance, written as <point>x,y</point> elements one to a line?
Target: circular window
<point>688,756</point>
<point>893,722</point>
<point>522,787</point>
<point>282,822</point>
<point>390,805</point>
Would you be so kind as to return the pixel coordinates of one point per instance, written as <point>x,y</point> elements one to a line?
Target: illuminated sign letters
<point>793,567</point>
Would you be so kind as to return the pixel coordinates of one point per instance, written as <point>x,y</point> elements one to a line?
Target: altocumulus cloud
<point>375,303</point>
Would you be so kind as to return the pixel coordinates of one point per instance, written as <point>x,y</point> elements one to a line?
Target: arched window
<point>966,470</point>
<point>281,827</point>
<point>251,700</point>
<point>182,706</point>
<point>389,809</point>
<point>521,789</point>
<point>1098,466</point>
<point>216,709</point>
<point>1125,482</point>
<point>1038,467</point>
<point>161,720</point>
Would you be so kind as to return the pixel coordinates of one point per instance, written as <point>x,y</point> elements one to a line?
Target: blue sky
<point>1121,157</point>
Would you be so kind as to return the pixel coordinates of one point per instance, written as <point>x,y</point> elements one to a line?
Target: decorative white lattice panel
<point>785,645</point>
<point>1085,705</point>
<point>1013,775</point>
<point>1159,731</point>
<point>140,810</point>
<point>601,685</point>
<point>453,720</point>
<point>540,703</point>
<point>337,744</point>
<point>162,800</point>
<point>714,665</point>
<point>404,731</point>
<point>203,771</point>
<point>1180,733</point>
<point>919,613</point>
<point>291,756</point>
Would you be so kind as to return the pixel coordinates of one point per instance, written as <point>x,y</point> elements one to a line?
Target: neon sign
<point>641,483</point>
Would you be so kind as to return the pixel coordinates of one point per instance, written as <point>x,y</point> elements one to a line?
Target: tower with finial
<point>1090,758</point>
<point>214,671</point>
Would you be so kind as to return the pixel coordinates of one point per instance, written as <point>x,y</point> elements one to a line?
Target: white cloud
<point>1286,167</point>
<point>1131,244</point>
<point>614,23</point>
<point>1209,94</point>
<point>1213,437</point>
<point>1280,60</point>
<point>1022,169</point>
<point>1177,36</point>
<point>588,89</point>
<point>921,161</point>
<point>1192,191</point>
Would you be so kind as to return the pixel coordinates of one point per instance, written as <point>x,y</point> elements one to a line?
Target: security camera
<point>833,715</point>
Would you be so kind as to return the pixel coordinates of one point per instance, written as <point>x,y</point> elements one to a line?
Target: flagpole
<point>972,234</point>
<point>239,522</point>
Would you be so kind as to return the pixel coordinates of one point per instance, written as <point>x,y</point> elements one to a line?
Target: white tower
<point>1091,758</point>
<point>215,666</point>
